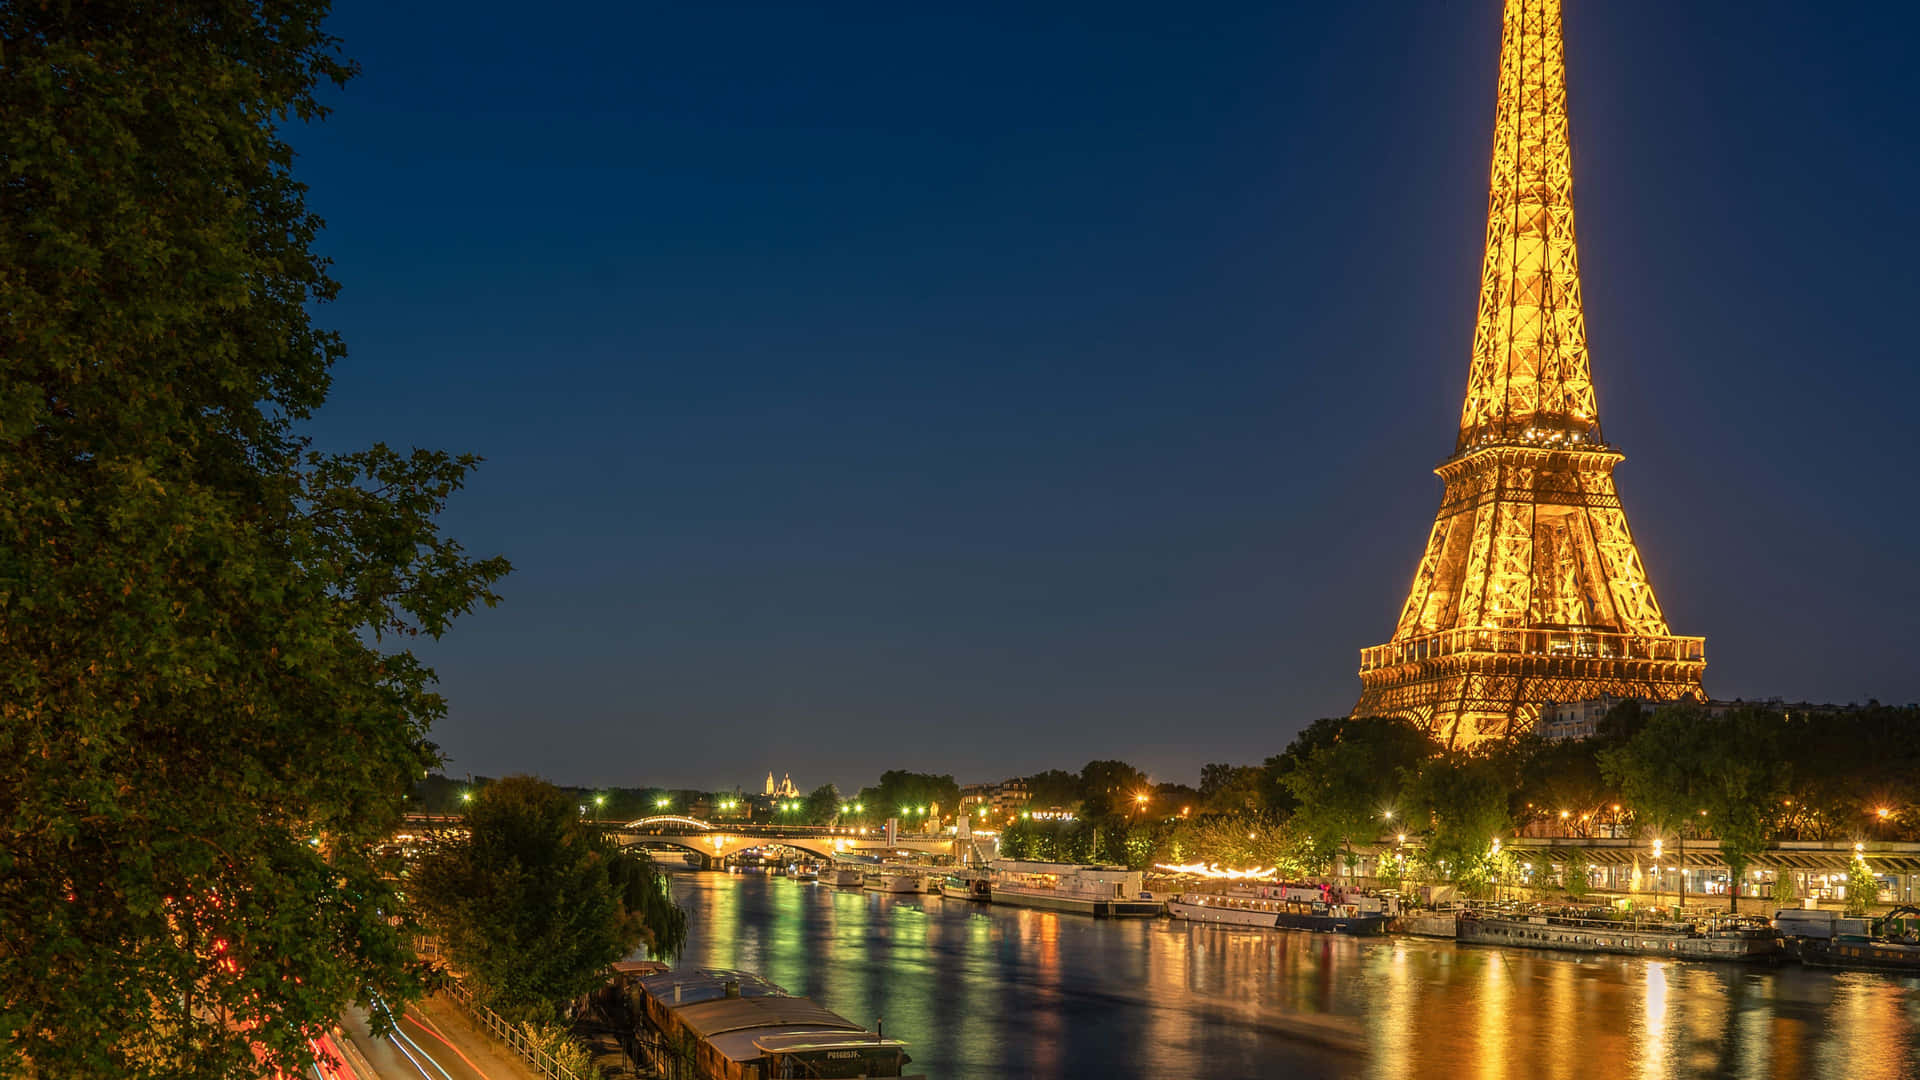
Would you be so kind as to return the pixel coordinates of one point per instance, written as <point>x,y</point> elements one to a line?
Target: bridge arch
<point>659,820</point>
<point>716,844</point>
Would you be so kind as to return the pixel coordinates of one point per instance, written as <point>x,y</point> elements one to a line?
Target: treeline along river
<point>984,991</point>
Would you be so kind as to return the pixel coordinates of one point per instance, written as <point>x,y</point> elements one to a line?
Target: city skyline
<point>950,430</point>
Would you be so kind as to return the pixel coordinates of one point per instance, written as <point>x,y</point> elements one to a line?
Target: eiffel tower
<point>1531,589</point>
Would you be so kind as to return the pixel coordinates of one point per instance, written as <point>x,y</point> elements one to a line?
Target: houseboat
<point>1100,891</point>
<point>1286,907</point>
<point>1728,940</point>
<point>850,877</point>
<point>731,1025</point>
<point>896,879</point>
<point>966,885</point>
<point>1828,940</point>
<point>803,871</point>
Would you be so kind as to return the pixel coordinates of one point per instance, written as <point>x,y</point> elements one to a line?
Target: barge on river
<point>1284,907</point>
<point>732,1025</point>
<point>1100,891</point>
<point>1678,941</point>
<point>848,877</point>
<point>1827,939</point>
<point>892,879</point>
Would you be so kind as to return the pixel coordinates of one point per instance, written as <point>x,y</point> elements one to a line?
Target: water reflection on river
<point>985,991</point>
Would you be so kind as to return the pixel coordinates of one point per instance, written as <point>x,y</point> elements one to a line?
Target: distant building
<point>1563,720</point>
<point>1002,800</point>
<point>784,789</point>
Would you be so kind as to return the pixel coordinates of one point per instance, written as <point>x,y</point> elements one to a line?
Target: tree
<point>1862,887</point>
<point>1783,892</point>
<point>1346,787</point>
<point>1742,780</point>
<point>1055,789</point>
<point>1659,776</point>
<point>1232,789</point>
<point>823,804</point>
<point>1108,788</point>
<point>1274,771</point>
<point>905,795</point>
<point>533,903</point>
<point>208,718</point>
<point>1573,874</point>
<point>1463,796</point>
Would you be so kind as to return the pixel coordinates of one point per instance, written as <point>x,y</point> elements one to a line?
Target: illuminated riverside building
<point>1531,588</point>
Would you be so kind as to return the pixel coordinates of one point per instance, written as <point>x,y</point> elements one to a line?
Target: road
<point>428,1046</point>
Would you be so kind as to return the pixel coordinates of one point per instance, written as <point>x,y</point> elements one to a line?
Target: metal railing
<point>1583,644</point>
<point>511,1034</point>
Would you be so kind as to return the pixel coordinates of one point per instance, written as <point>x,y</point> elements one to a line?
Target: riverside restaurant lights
<point>1211,870</point>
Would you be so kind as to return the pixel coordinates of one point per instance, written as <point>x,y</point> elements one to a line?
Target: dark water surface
<point>984,991</point>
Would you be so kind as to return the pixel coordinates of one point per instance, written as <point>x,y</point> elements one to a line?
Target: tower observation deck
<point>1530,589</point>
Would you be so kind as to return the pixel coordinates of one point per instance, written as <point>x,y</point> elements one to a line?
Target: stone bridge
<point>718,841</point>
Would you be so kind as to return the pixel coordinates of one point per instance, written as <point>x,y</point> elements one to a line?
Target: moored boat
<point>1828,940</point>
<point>1730,940</point>
<point>803,871</point>
<point>737,1026</point>
<point>850,877</point>
<point>889,879</point>
<point>966,884</point>
<point>1284,908</point>
<point>1100,891</point>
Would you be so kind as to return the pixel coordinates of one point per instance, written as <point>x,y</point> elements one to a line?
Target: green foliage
<point>1346,785</point>
<point>556,1041</point>
<point>1055,789</point>
<point>1278,795</point>
<point>1241,842</point>
<point>533,904</point>
<point>1573,874</point>
<point>823,804</point>
<point>201,621</point>
<point>1783,892</point>
<point>1742,781</point>
<point>1561,777</point>
<point>1863,888</point>
<point>1464,797</point>
<point>1107,788</point>
<point>1658,771</point>
<point>1233,789</point>
<point>898,788</point>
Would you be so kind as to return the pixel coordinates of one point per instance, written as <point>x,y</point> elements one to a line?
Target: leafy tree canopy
<point>534,902</point>
<point>1346,787</point>
<point>1055,788</point>
<point>208,719</point>
<point>1108,788</point>
<point>823,804</point>
<point>898,790</point>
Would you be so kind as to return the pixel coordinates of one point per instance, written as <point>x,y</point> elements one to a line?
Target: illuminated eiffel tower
<point>1531,589</point>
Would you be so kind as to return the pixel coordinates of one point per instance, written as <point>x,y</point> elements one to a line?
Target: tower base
<point>1467,686</point>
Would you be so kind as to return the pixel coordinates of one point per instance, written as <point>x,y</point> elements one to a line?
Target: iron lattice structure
<point>1531,589</point>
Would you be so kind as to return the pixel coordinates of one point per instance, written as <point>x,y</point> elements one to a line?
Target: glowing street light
<point>466,796</point>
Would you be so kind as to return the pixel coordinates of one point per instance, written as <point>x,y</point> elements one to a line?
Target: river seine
<point>986,991</point>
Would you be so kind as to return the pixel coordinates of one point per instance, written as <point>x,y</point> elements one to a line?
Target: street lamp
<point>1656,872</point>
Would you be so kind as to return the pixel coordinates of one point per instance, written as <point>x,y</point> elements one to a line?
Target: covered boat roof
<point>710,1018</point>
<point>705,984</point>
<point>801,1041</point>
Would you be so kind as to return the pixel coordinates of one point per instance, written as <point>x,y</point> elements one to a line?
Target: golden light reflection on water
<point>992,991</point>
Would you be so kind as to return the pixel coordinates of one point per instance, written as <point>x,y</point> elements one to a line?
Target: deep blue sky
<point>991,390</point>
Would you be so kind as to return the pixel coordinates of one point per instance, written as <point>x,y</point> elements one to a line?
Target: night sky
<point>982,391</point>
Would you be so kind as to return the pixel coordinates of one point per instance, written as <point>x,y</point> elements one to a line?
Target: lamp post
<point>1656,873</point>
